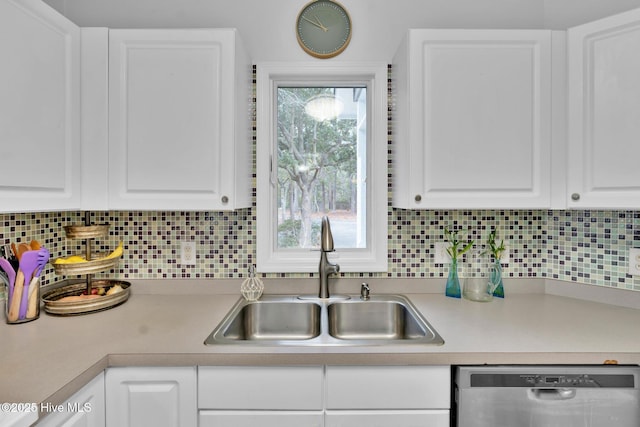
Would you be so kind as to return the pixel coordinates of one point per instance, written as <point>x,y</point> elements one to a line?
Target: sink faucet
<point>326,268</point>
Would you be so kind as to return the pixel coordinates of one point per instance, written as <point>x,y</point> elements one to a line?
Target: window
<point>321,150</point>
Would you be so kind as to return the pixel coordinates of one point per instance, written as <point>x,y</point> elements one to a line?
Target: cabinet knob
<point>418,198</point>
<point>225,200</point>
<point>575,197</point>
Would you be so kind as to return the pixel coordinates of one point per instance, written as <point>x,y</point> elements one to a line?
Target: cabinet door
<point>149,396</point>
<point>388,387</point>
<point>604,113</point>
<point>39,108</point>
<point>176,139</point>
<point>472,120</point>
<point>260,387</point>
<point>86,408</point>
<point>260,418</point>
<point>386,418</point>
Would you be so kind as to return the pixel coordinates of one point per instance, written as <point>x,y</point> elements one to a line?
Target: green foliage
<point>289,233</point>
<point>307,147</point>
<point>493,248</point>
<point>455,249</point>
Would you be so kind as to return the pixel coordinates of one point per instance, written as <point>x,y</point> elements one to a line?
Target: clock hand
<point>325,29</point>
<point>314,23</point>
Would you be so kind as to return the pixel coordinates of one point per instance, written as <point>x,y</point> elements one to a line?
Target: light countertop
<point>50,358</point>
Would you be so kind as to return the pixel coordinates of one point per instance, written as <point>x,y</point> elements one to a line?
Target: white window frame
<point>269,76</point>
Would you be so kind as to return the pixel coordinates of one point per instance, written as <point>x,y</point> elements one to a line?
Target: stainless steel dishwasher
<point>547,396</point>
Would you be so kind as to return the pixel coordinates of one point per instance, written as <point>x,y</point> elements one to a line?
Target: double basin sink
<point>306,320</point>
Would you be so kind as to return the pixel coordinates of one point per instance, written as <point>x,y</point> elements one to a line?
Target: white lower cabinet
<point>387,418</point>
<point>388,396</point>
<point>86,408</point>
<point>260,418</point>
<point>329,396</point>
<point>151,396</point>
<point>247,396</point>
<point>265,396</point>
<point>294,388</point>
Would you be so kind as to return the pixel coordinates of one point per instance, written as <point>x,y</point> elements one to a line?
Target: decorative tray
<point>53,293</point>
<point>101,263</point>
<point>86,231</point>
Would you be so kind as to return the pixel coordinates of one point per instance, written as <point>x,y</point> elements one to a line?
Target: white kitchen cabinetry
<point>331,396</point>
<point>260,418</point>
<point>266,396</point>
<point>179,120</point>
<point>151,396</point>
<point>387,418</point>
<point>359,396</point>
<point>86,408</point>
<point>472,119</point>
<point>604,113</point>
<point>39,108</point>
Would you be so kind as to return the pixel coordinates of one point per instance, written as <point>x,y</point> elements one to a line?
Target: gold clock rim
<point>330,54</point>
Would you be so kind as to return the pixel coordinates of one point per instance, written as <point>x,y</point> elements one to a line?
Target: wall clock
<point>323,28</point>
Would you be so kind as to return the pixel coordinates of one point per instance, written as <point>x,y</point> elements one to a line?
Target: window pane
<point>321,165</point>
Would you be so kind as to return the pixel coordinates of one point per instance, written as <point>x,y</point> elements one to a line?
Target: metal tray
<point>86,231</point>
<point>71,308</point>
<point>89,267</point>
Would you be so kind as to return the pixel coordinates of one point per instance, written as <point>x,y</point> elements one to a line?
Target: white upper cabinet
<point>179,120</point>
<point>472,119</point>
<point>604,113</point>
<point>39,108</point>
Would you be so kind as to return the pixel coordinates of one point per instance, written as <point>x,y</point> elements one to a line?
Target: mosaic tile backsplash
<point>579,246</point>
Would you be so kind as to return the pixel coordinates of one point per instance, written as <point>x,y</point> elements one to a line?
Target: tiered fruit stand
<point>55,298</point>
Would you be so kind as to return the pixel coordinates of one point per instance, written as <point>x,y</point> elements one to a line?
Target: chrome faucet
<point>326,268</point>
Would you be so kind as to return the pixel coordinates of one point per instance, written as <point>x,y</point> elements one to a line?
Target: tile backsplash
<point>579,246</point>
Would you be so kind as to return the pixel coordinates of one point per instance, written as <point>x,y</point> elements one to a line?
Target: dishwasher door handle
<point>552,393</point>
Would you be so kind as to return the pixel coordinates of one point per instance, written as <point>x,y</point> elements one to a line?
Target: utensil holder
<point>13,300</point>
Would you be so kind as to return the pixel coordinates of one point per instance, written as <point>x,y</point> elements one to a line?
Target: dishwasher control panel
<point>541,379</point>
<point>583,380</point>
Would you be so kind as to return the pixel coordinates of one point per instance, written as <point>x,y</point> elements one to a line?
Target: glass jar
<point>477,285</point>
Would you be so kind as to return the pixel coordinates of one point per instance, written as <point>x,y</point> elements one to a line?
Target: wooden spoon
<point>14,304</point>
<point>22,248</point>
<point>28,266</point>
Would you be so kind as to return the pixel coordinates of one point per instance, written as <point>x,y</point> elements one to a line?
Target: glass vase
<point>496,279</point>
<point>453,282</point>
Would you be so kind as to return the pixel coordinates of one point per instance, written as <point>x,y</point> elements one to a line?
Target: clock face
<point>323,28</point>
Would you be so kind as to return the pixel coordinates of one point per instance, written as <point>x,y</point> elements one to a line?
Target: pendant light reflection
<point>324,107</point>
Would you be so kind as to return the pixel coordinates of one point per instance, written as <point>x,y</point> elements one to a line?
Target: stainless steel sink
<point>307,320</point>
<point>270,319</point>
<point>376,319</point>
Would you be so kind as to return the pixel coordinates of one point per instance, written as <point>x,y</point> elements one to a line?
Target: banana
<point>76,259</point>
<point>117,252</point>
<point>114,290</point>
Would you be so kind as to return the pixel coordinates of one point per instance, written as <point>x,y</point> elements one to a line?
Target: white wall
<point>267,26</point>
<point>562,14</point>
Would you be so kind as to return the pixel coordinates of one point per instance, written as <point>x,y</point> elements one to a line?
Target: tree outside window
<point>321,164</point>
